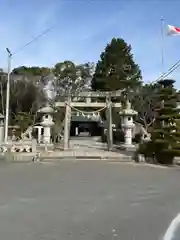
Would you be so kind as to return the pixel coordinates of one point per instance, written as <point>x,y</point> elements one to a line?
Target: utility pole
<point>8,79</point>
<point>7,96</point>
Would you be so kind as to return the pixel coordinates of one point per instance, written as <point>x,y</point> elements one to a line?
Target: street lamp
<point>7,96</point>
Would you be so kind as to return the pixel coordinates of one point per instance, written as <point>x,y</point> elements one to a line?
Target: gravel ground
<point>88,200</point>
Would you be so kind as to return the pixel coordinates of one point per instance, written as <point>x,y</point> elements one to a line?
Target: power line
<point>173,68</point>
<point>170,70</point>
<point>33,40</point>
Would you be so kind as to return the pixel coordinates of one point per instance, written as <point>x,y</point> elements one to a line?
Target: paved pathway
<point>88,200</point>
<point>88,147</point>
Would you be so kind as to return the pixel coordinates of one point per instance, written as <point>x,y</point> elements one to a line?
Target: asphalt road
<point>88,200</point>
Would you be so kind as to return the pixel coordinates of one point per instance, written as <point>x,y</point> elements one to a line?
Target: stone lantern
<point>47,122</point>
<point>127,124</point>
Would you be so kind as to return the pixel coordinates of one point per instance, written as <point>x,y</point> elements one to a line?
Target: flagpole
<point>162,47</point>
<point>162,59</point>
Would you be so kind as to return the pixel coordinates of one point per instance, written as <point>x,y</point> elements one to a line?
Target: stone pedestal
<point>34,145</point>
<point>1,128</point>
<point>39,129</point>
<point>47,134</point>
<point>1,132</point>
<point>128,128</point>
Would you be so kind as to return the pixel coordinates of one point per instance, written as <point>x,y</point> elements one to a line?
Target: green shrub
<point>147,149</point>
<point>165,158</point>
<point>103,137</point>
<point>118,136</point>
<point>137,138</point>
<point>159,151</point>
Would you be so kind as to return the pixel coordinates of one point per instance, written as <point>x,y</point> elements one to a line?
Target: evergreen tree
<point>31,71</point>
<point>72,78</point>
<point>116,69</point>
<point>165,144</point>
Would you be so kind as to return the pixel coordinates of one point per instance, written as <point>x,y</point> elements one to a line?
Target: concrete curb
<point>34,157</point>
<point>115,159</point>
<point>124,160</point>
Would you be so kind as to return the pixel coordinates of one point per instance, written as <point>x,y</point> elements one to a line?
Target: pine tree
<point>165,144</point>
<point>116,68</point>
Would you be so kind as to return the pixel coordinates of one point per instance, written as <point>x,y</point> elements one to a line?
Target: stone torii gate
<point>72,101</point>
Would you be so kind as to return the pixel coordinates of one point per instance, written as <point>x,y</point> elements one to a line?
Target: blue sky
<point>82,28</point>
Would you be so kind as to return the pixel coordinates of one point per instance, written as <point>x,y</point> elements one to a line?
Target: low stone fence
<point>20,157</point>
<point>18,151</point>
<point>31,151</point>
<point>20,147</point>
<point>15,148</point>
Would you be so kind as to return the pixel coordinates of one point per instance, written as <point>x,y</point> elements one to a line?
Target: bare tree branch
<point>143,101</point>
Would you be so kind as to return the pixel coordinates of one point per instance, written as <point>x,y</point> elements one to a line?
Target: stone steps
<point>86,149</point>
<point>99,154</point>
<point>65,155</point>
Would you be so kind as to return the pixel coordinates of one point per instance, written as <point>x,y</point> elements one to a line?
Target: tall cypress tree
<point>165,144</point>
<point>116,68</point>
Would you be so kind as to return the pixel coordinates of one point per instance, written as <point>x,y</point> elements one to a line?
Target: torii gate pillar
<point>109,121</point>
<point>67,124</point>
